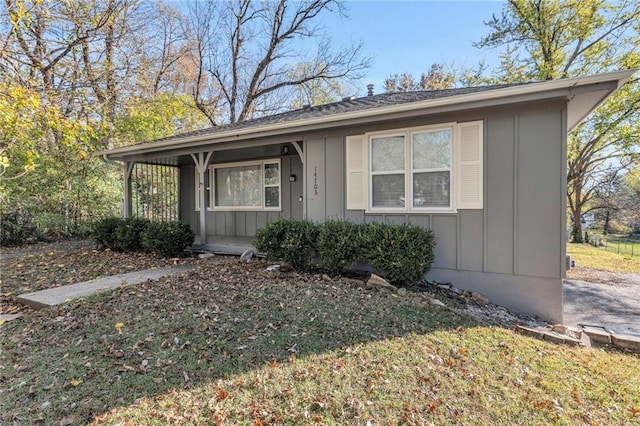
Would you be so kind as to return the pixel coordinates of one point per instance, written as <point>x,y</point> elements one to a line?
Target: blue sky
<point>411,35</point>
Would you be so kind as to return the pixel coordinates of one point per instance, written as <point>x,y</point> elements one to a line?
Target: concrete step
<point>58,295</point>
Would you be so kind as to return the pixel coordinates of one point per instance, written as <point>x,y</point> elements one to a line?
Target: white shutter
<point>356,173</point>
<point>470,160</point>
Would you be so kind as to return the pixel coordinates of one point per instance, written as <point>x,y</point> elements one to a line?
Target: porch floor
<point>220,244</point>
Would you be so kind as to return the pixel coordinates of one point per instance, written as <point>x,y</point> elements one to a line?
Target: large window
<point>252,186</point>
<point>245,186</point>
<point>413,166</point>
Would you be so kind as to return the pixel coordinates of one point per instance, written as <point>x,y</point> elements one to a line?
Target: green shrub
<point>168,239</point>
<point>289,240</point>
<point>104,232</point>
<point>339,245</point>
<point>128,234</point>
<point>17,228</point>
<point>403,252</point>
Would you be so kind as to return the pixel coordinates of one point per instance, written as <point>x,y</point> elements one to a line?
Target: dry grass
<point>230,343</point>
<point>598,259</point>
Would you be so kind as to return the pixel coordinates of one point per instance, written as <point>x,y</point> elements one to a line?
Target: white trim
<point>408,172</point>
<point>508,92</point>
<point>207,189</point>
<point>262,164</point>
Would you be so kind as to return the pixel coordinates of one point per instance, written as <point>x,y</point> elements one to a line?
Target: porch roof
<point>583,95</point>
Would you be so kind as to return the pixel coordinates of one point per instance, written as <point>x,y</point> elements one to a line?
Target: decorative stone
<point>560,328</point>
<point>444,286</point>
<point>436,302</point>
<point>326,277</point>
<point>247,256</point>
<point>205,255</point>
<point>479,298</point>
<point>379,282</point>
<point>273,268</point>
<point>402,291</point>
<point>456,290</point>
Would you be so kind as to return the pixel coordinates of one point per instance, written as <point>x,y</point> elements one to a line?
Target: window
<point>388,171</point>
<point>412,166</point>
<point>246,186</point>
<point>431,153</point>
<point>436,168</point>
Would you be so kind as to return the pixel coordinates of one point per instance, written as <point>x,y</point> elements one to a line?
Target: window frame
<point>262,163</point>
<point>433,170</point>
<point>409,171</point>
<point>392,172</point>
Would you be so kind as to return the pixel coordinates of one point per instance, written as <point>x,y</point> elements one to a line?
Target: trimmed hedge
<point>167,239</point>
<point>104,232</point>
<point>128,234</point>
<point>290,240</point>
<point>404,253</point>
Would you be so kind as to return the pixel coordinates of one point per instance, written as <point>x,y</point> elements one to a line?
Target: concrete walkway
<point>58,295</point>
<point>614,307</point>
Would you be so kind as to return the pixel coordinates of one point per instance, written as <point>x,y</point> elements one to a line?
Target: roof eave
<point>506,95</point>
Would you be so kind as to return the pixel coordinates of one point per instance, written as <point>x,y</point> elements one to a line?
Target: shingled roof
<point>583,94</point>
<point>346,105</point>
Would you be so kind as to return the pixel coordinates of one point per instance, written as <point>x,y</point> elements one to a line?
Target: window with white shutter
<point>437,168</point>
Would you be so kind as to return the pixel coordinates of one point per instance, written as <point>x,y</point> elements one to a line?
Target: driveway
<point>614,306</point>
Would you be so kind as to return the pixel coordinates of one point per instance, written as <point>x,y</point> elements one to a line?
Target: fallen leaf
<point>66,421</point>
<point>119,326</point>
<point>75,382</point>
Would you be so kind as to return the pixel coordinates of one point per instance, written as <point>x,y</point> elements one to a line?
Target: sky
<point>409,36</point>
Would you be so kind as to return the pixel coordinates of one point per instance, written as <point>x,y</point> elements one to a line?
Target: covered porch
<point>225,192</point>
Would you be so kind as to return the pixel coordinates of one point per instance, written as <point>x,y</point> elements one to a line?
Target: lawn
<point>233,343</point>
<point>588,256</point>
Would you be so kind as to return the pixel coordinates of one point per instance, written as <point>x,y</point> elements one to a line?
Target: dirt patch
<point>603,277</point>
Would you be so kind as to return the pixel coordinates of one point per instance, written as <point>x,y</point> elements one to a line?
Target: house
<point>483,167</point>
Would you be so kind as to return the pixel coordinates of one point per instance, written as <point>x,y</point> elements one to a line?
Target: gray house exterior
<point>484,168</point>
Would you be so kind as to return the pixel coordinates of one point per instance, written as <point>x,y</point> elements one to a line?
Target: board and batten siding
<point>511,250</point>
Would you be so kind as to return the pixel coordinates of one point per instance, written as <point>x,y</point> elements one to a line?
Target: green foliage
<point>290,240</point>
<point>128,234</point>
<point>168,239</point>
<point>404,253</point>
<point>105,232</point>
<point>340,244</point>
<point>17,228</point>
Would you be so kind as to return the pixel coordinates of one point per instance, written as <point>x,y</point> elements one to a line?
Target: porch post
<point>128,170</point>
<point>201,160</point>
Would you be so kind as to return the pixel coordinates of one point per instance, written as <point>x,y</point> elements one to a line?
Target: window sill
<point>420,211</point>
<point>244,209</point>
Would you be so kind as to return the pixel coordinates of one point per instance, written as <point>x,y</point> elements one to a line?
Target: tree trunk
<point>607,219</point>
<point>576,213</point>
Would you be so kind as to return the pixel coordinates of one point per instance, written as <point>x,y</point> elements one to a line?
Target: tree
<point>437,78</point>
<point>246,54</point>
<point>547,39</point>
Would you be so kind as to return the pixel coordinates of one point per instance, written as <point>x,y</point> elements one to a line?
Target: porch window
<point>246,186</point>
